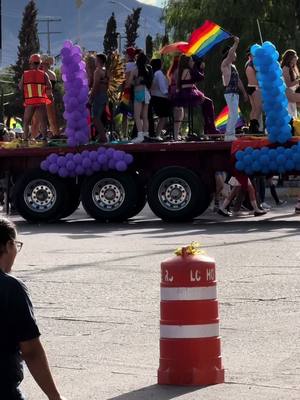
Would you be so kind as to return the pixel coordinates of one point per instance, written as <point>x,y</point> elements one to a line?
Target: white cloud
<point>150,2</point>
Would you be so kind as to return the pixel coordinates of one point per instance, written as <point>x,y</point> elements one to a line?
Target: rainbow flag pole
<point>222,119</point>
<point>204,39</point>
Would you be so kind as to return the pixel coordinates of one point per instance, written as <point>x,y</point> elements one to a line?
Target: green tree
<point>28,44</point>
<point>149,46</point>
<point>28,40</point>
<point>131,27</point>
<point>110,42</point>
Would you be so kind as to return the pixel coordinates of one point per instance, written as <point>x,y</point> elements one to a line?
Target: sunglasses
<point>19,245</point>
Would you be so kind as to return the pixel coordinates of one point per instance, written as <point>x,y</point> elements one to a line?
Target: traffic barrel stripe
<point>189,331</point>
<point>188,293</point>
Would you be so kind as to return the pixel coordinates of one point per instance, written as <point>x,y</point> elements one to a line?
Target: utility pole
<point>48,20</point>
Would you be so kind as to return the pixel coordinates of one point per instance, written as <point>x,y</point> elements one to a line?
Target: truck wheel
<point>109,196</point>
<point>40,196</point>
<point>141,198</point>
<point>74,199</point>
<point>177,194</point>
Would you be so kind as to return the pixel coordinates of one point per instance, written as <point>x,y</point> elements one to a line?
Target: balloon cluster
<point>266,160</point>
<point>87,162</point>
<point>272,85</point>
<point>76,94</point>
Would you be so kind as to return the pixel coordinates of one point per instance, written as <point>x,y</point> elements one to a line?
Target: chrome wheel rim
<point>40,195</point>
<point>174,194</point>
<point>108,194</point>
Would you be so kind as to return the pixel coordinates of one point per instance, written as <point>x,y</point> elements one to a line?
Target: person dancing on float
<point>37,91</point>
<point>233,85</point>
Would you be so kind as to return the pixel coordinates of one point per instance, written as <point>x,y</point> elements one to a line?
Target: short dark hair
<point>155,64</point>
<point>101,57</point>
<point>7,232</point>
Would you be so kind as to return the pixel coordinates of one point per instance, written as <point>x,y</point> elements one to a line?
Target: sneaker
<point>259,213</point>
<point>139,138</point>
<point>223,212</point>
<point>281,203</point>
<point>266,206</point>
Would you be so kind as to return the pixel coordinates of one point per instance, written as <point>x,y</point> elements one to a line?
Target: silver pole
<point>259,31</point>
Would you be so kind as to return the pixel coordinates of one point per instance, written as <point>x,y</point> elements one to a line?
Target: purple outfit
<point>193,97</point>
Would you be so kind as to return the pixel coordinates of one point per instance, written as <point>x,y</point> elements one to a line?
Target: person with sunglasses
<point>19,333</point>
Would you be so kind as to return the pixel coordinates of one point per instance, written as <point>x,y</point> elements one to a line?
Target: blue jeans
<point>232,100</point>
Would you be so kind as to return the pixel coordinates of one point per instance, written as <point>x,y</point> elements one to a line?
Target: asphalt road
<point>96,293</point>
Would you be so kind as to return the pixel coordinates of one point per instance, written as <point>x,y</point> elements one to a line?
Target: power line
<point>48,20</point>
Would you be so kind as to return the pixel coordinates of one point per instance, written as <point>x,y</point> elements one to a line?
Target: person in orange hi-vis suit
<point>37,91</point>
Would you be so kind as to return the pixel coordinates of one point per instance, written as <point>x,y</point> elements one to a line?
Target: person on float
<point>141,79</point>
<point>291,76</point>
<point>187,94</point>
<point>159,103</point>
<point>254,94</point>
<point>37,92</point>
<point>126,104</point>
<point>47,63</point>
<point>233,86</point>
<point>98,97</point>
<point>19,333</point>
<point>178,112</point>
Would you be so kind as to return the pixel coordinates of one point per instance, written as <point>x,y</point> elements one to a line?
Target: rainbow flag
<point>222,119</point>
<point>204,39</point>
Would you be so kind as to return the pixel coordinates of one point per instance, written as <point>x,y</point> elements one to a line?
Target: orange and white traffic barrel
<point>190,343</point>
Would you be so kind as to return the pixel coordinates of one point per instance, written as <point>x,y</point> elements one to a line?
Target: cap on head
<point>34,58</point>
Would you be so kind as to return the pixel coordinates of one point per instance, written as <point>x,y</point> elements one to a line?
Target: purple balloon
<point>68,44</point>
<point>121,166</point>
<point>53,168</point>
<point>93,155</point>
<point>63,172</point>
<point>119,155</point>
<point>85,153</point>
<point>128,158</point>
<point>52,158</point>
<point>70,165</point>
<point>79,170</point>
<point>101,150</point>
<point>76,59</point>
<point>110,152</point>
<point>86,163</point>
<point>69,156</point>
<point>102,159</point>
<point>77,158</point>
<point>44,165</point>
<point>65,52</point>
<point>61,161</point>
<point>76,49</point>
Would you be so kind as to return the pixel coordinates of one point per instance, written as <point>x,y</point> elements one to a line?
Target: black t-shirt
<point>17,324</point>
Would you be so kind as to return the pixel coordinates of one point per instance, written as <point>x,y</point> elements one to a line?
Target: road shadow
<point>157,392</point>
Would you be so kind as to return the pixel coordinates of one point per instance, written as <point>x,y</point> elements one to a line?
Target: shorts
<point>250,90</point>
<point>142,96</point>
<point>98,105</point>
<point>161,106</point>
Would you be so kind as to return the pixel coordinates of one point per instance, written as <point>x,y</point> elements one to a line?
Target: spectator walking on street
<point>19,333</point>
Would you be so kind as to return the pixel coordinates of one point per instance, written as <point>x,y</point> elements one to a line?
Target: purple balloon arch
<point>87,162</point>
<point>76,94</point>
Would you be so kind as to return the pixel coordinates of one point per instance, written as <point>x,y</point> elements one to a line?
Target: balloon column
<point>272,85</point>
<point>87,162</point>
<point>271,160</point>
<point>76,94</point>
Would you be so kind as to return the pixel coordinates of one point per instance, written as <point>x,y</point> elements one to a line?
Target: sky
<point>158,3</point>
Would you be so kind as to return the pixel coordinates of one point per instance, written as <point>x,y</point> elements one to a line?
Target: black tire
<point>39,196</point>
<point>110,196</point>
<point>177,194</point>
<point>141,197</point>
<point>73,198</point>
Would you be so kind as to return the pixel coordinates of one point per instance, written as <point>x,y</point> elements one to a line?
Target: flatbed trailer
<point>177,179</point>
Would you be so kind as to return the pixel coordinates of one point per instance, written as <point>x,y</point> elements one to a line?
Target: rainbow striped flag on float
<point>204,39</point>
<point>222,119</point>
